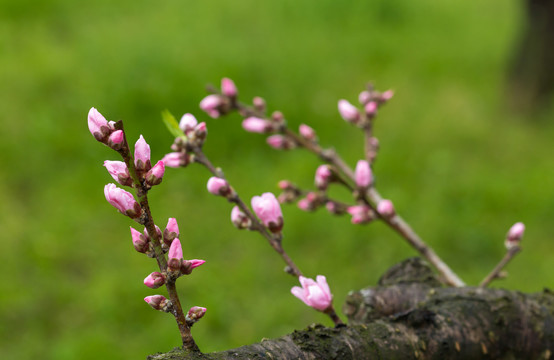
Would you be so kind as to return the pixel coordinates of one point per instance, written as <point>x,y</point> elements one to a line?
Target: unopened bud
<point>115,140</point>
<point>177,159</point>
<point>194,314</point>
<point>218,186</point>
<point>259,104</point>
<point>349,112</point>
<point>212,105</point>
<point>361,214</point>
<point>514,235</point>
<point>385,208</point>
<point>306,132</point>
<point>140,242</point>
<point>371,109</point>
<point>154,280</point>
<point>363,175</point>
<point>364,97</point>
<point>171,231</point>
<point>119,172</point>
<point>239,219</point>
<point>323,176</point>
<point>280,142</point>
<point>154,176</point>
<point>228,88</point>
<point>142,155</point>
<point>257,125</point>
<point>188,265</point>
<point>158,302</point>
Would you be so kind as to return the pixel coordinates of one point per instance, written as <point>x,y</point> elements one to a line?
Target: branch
<point>409,316</point>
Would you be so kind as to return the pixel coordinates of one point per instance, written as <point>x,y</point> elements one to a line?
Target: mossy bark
<point>410,316</point>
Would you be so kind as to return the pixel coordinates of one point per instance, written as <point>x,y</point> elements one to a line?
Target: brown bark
<point>410,316</point>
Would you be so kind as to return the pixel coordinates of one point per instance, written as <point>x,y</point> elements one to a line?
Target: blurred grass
<point>459,166</point>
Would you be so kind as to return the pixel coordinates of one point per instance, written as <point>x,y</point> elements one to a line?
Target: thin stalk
<point>495,273</point>
<point>148,222</point>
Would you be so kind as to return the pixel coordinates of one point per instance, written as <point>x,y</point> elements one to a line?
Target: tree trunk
<point>410,316</point>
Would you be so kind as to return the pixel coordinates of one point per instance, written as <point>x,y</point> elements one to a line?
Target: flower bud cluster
<point>370,100</point>
<point>194,136</point>
<point>289,193</point>
<point>216,105</point>
<point>104,131</point>
<point>361,214</point>
<point>311,201</point>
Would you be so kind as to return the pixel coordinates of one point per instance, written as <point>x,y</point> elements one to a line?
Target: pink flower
<point>364,97</point>
<point>188,265</point>
<point>122,201</point>
<point>363,174</point>
<point>194,314</point>
<point>514,235</point>
<point>257,125</point>
<point>371,108</point>
<point>139,241</point>
<point>98,125</point>
<point>115,140</point>
<point>218,186</point>
<point>314,294</point>
<point>306,132</point>
<point>239,219</point>
<point>142,155</point>
<point>385,208</point>
<point>349,112</point>
<point>154,280</point>
<point>158,302</point>
<point>285,185</point>
<point>187,123</point>
<point>211,104</point>
<point>323,176</point>
<point>228,88</point>
<point>119,172</point>
<point>387,95</point>
<point>175,251</point>
<point>154,176</point>
<point>267,208</point>
<point>171,231</point>
<point>174,159</point>
<point>279,142</point>
<point>361,214</point>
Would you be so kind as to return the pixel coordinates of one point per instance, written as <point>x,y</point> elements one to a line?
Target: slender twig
<point>396,223</point>
<point>495,273</point>
<point>274,240</point>
<point>148,221</point>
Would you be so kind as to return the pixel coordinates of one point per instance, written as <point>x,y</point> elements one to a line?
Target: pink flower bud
<point>211,105</point>
<point>361,214</point>
<point>385,208</point>
<point>171,231</point>
<point>176,159</point>
<point>158,302</point>
<point>194,314</point>
<point>119,172</point>
<point>364,97</point>
<point>349,112</point>
<point>304,204</point>
<point>228,88</point>
<point>148,236</point>
<point>188,265</point>
<point>306,132</point>
<point>280,142</point>
<point>239,219</point>
<point>514,235</point>
<point>323,176</point>
<point>387,95</point>
<point>268,209</point>
<point>115,140</point>
<point>218,186</point>
<point>285,185</point>
<point>363,174</point>
<point>277,117</point>
<point>187,123</point>
<point>371,108</point>
<point>154,280</point>
<point>154,176</point>
<point>122,201</point>
<point>334,208</point>
<point>314,294</point>
<point>98,125</point>
<point>259,103</point>
<point>175,255</point>
<point>175,251</point>
<point>200,131</point>
<point>139,241</point>
<point>257,125</point>
<point>142,155</point>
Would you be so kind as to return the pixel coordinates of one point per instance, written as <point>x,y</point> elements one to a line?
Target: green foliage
<point>458,164</point>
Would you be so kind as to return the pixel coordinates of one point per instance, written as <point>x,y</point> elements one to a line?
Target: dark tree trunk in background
<point>531,80</point>
<point>410,316</point>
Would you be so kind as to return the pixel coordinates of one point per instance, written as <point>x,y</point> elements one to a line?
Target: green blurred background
<point>459,165</point>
